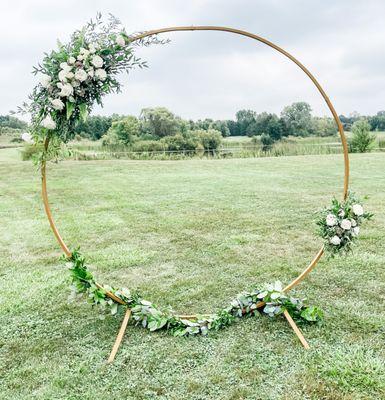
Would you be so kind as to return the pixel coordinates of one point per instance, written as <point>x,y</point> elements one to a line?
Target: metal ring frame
<point>316,258</point>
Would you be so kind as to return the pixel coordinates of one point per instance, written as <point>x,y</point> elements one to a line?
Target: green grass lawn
<point>190,234</point>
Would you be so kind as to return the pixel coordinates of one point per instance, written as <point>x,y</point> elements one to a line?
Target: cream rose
<point>346,224</point>
<point>358,209</point>
<point>45,80</point>
<point>335,240</point>
<point>27,137</point>
<point>120,40</point>
<point>97,61</point>
<point>48,122</point>
<point>66,90</point>
<point>57,104</point>
<point>331,220</point>
<point>101,74</point>
<point>81,75</point>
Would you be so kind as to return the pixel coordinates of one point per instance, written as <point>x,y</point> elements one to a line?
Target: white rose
<point>65,66</point>
<point>331,220</point>
<point>71,60</point>
<point>63,75</point>
<point>57,104</point>
<point>92,48</point>
<point>91,72</point>
<point>358,209</point>
<point>345,224</point>
<point>48,122</point>
<point>45,80</point>
<point>101,74</point>
<point>27,137</point>
<point>335,240</point>
<point>66,90</point>
<point>120,40</point>
<point>75,83</point>
<point>97,61</point>
<point>341,213</point>
<point>80,57</point>
<point>356,231</point>
<point>70,75</point>
<point>354,222</point>
<point>81,75</point>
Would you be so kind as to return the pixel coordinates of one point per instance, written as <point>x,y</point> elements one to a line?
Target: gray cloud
<point>203,74</point>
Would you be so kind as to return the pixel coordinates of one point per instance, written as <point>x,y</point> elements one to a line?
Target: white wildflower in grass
<point>341,213</point>
<point>27,137</point>
<point>97,61</point>
<point>101,74</point>
<point>345,224</point>
<point>331,220</point>
<point>81,75</point>
<point>48,122</point>
<point>45,80</point>
<point>57,104</point>
<point>358,209</point>
<point>335,240</point>
<point>354,222</point>
<point>356,231</point>
<point>120,40</point>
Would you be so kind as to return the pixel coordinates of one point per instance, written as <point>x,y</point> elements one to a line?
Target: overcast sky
<point>214,74</point>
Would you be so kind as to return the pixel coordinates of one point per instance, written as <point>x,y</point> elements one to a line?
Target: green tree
<point>269,124</point>
<point>377,122</point>
<point>362,140</point>
<point>221,126</point>
<point>297,118</point>
<point>124,131</point>
<point>159,122</point>
<point>95,126</point>
<point>324,126</point>
<point>8,121</point>
<point>244,119</point>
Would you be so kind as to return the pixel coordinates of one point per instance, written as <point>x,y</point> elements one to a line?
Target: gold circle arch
<point>143,35</point>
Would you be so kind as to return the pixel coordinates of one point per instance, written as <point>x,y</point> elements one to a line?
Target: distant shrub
<point>210,139</point>
<point>180,142</point>
<point>362,140</point>
<point>266,141</point>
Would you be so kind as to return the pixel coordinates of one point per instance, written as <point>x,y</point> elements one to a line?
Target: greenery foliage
<point>146,314</point>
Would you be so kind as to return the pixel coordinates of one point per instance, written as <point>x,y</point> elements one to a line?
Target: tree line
<point>160,129</point>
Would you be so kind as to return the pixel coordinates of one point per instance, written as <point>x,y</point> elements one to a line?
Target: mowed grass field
<point>190,234</point>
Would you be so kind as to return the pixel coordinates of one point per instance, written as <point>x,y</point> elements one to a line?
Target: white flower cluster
<point>344,227</point>
<point>87,66</point>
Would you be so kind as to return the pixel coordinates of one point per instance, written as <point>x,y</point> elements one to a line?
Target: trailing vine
<point>272,298</point>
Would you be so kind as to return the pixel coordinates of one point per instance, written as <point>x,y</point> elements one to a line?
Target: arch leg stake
<point>119,337</point>
<point>297,331</point>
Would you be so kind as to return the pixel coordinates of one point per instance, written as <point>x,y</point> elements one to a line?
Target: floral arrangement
<point>272,301</point>
<point>76,76</point>
<point>339,225</point>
